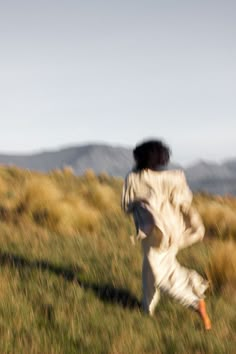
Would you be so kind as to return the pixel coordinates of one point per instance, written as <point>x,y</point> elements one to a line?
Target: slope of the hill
<point>71,279</point>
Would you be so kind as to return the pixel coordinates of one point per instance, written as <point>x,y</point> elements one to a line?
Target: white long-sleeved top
<point>162,199</point>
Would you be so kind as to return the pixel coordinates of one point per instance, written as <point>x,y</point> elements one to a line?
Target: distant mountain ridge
<point>117,161</point>
<point>212,177</point>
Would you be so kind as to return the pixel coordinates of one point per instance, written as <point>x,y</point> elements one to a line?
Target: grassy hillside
<point>71,278</point>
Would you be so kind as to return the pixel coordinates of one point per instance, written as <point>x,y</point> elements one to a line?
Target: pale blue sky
<point>117,72</point>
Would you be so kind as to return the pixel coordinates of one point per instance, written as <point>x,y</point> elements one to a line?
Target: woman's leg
<point>183,284</point>
<point>151,294</point>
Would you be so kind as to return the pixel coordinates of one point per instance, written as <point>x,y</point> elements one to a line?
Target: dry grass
<point>38,190</point>
<point>80,294</point>
<point>3,186</point>
<point>222,266</point>
<point>59,201</point>
<point>218,214</point>
<point>100,196</point>
<point>40,198</point>
<point>68,170</point>
<point>77,216</point>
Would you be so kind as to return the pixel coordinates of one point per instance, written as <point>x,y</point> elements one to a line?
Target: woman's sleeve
<point>194,230</point>
<point>127,195</point>
<point>181,194</point>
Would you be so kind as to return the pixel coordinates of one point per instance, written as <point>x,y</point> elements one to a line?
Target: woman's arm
<point>194,231</point>
<point>127,199</point>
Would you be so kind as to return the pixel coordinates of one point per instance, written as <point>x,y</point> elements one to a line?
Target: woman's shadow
<point>105,292</point>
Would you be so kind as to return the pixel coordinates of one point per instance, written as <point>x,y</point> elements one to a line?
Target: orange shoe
<point>203,313</point>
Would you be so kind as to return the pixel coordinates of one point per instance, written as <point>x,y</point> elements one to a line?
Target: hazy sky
<point>119,71</point>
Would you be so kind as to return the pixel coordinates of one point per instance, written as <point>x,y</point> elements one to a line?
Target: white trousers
<point>162,273</point>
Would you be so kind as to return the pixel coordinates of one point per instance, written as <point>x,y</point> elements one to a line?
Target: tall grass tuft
<point>76,216</point>
<point>3,186</point>
<point>218,214</point>
<point>48,205</point>
<point>40,199</point>
<point>100,196</point>
<point>222,265</point>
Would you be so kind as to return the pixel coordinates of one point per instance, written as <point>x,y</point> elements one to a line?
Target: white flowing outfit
<point>166,222</point>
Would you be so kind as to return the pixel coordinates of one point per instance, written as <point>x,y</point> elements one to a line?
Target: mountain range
<point>117,161</point>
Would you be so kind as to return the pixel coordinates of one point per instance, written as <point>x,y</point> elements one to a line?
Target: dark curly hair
<point>151,154</point>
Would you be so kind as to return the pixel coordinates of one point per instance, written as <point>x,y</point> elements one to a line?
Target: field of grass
<point>70,278</point>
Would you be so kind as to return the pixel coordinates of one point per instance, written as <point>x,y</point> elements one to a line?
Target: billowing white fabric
<point>161,203</point>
